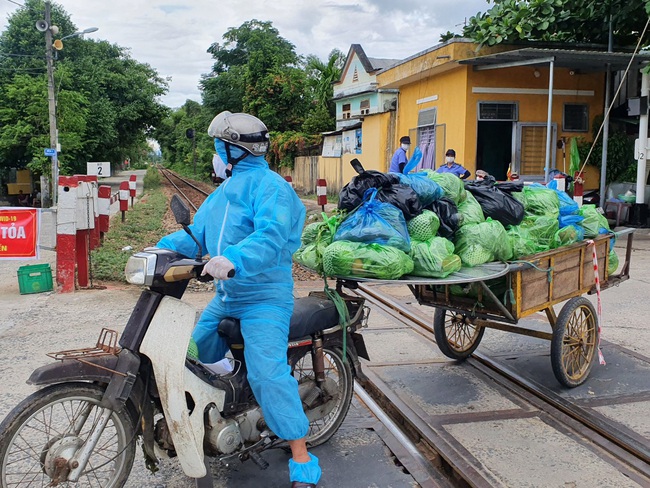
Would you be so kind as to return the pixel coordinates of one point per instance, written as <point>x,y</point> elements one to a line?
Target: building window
<point>497,111</point>
<point>364,105</point>
<point>575,117</point>
<point>346,110</point>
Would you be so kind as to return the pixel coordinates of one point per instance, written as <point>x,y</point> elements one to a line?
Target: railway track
<point>185,188</point>
<point>627,451</point>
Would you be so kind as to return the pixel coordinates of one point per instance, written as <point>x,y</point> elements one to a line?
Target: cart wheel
<point>456,335</point>
<point>574,342</point>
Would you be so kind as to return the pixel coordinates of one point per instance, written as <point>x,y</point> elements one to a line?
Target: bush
<point>151,178</point>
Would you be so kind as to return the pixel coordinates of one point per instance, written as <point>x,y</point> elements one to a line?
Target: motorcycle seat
<point>310,314</point>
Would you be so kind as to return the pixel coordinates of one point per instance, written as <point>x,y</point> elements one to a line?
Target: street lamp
<point>49,29</point>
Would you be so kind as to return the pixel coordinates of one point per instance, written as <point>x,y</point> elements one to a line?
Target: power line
<point>16,3</point>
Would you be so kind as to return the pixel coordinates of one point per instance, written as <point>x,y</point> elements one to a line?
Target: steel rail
<point>609,437</point>
<point>166,173</point>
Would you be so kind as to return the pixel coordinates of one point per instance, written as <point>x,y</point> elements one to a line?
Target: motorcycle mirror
<point>180,210</point>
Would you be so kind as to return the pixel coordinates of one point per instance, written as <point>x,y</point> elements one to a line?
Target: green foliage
<point>143,228</point>
<point>151,178</point>
<point>107,103</point>
<point>585,21</point>
<point>285,146</point>
<point>621,165</point>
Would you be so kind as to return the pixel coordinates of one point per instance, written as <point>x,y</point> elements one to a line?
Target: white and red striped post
<point>95,238</point>
<point>66,233</point>
<point>132,187</point>
<point>289,180</point>
<point>321,193</point>
<point>104,209</point>
<point>124,198</point>
<point>85,226</point>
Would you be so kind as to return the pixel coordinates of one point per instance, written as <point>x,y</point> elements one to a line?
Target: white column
<point>642,144</point>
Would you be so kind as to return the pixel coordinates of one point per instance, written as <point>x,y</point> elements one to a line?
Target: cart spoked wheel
<point>456,334</point>
<point>575,341</point>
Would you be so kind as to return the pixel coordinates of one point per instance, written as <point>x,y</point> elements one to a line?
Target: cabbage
<point>424,226</point>
<point>347,258</point>
<point>434,258</point>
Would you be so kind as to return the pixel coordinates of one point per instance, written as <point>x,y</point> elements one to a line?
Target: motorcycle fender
<point>360,345</point>
<point>72,370</point>
<point>165,343</point>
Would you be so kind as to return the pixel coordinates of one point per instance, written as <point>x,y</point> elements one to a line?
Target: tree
<point>107,103</point>
<point>320,80</point>
<point>578,21</point>
<point>258,72</point>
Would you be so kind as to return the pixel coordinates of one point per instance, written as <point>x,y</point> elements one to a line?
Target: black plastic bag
<point>497,202</point>
<point>351,195</point>
<point>447,212</point>
<point>403,197</point>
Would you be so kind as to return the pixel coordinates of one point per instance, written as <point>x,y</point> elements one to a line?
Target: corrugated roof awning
<point>342,130</point>
<point>579,60</point>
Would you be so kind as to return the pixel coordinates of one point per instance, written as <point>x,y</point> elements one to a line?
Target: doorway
<point>494,147</point>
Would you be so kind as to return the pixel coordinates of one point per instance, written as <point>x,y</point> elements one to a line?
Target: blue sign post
<point>50,152</point>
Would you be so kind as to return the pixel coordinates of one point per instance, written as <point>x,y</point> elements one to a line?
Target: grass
<point>142,228</point>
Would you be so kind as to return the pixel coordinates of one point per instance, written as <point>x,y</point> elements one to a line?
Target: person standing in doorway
<point>451,166</point>
<point>399,160</point>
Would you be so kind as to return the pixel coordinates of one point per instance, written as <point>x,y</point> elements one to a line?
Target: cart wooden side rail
<point>533,284</point>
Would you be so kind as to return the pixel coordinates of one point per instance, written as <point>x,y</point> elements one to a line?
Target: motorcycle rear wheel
<point>41,431</point>
<point>321,430</point>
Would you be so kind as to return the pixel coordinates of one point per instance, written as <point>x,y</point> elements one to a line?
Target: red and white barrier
<point>289,180</point>
<point>132,187</point>
<point>124,198</point>
<point>104,209</point>
<point>321,192</point>
<point>66,233</point>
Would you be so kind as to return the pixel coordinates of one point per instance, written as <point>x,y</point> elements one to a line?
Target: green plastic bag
<point>533,235</point>
<point>565,236</point>
<point>594,222</point>
<point>482,243</point>
<point>434,258</point>
<point>540,200</point>
<point>347,258</point>
<point>424,226</point>
<point>315,238</point>
<point>612,266</point>
<point>470,211</point>
<point>452,185</point>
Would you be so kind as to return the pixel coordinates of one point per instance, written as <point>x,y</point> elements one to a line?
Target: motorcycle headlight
<point>140,268</point>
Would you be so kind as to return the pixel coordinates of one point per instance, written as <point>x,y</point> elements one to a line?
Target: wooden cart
<point>464,308</point>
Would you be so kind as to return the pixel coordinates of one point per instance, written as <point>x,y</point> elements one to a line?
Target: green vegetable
<point>452,185</point>
<point>470,211</point>
<point>347,258</point>
<point>434,258</point>
<point>424,226</point>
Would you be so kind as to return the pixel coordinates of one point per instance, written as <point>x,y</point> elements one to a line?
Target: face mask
<point>220,167</point>
<point>405,147</point>
<point>449,159</point>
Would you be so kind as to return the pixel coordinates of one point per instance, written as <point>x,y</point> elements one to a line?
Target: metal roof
<point>579,60</point>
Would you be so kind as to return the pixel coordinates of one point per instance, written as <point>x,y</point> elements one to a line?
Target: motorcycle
<point>81,428</point>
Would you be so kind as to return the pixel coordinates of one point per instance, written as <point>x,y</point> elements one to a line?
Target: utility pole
<point>51,102</point>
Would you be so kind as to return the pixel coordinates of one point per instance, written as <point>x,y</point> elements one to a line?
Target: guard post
<point>321,193</point>
<point>104,209</point>
<point>66,233</point>
<point>132,187</point>
<point>124,198</point>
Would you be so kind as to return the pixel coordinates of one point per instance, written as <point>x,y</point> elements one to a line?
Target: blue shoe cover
<point>308,472</point>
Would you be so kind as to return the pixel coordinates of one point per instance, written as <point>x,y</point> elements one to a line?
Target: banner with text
<point>19,232</point>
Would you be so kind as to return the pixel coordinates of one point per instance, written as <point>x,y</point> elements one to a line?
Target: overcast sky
<point>173,36</point>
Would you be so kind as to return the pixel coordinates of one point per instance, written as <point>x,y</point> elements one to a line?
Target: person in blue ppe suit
<point>399,160</point>
<point>251,225</point>
<point>451,166</point>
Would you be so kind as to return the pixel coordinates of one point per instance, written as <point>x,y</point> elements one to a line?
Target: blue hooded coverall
<point>255,220</point>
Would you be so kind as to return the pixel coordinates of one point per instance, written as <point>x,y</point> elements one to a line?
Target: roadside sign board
<point>101,169</point>
<point>50,152</point>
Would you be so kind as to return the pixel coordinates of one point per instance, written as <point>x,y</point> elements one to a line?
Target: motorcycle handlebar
<point>207,277</point>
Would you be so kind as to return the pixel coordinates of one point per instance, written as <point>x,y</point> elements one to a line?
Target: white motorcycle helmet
<point>242,130</point>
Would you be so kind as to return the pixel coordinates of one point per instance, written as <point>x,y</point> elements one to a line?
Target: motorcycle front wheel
<point>338,373</point>
<point>47,428</point>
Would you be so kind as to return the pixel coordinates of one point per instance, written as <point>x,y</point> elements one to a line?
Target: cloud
<point>173,37</point>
